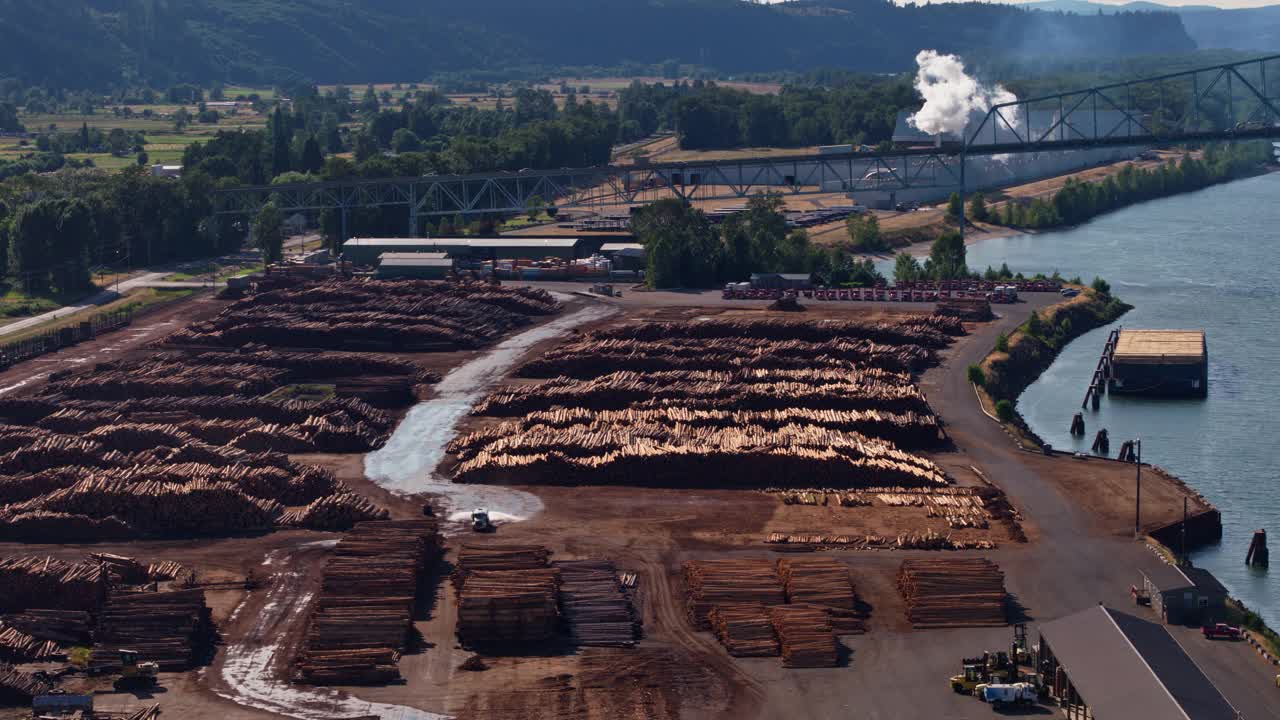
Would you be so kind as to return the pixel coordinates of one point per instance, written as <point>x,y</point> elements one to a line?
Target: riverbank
<point>1028,351</point>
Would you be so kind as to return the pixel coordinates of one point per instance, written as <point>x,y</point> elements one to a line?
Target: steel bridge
<point>1229,102</point>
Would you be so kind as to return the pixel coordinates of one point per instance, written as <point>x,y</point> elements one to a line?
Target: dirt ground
<point>1077,513</point>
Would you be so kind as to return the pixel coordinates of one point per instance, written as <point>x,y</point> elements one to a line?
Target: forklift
<point>136,675</point>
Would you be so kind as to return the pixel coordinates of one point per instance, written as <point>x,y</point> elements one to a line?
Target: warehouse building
<point>625,255</point>
<point>418,266</point>
<point>1185,596</point>
<point>1160,362</point>
<point>366,251</point>
<point>1102,664</point>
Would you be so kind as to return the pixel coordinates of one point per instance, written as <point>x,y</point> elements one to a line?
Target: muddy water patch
<point>409,462</point>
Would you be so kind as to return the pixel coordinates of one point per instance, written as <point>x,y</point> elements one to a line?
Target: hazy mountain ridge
<point>102,42</point>
<point>1256,29</point>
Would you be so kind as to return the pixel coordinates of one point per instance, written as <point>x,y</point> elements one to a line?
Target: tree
<point>281,136</point>
<point>143,159</point>
<point>976,376</point>
<point>906,268</point>
<point>864,233</point>
<point>681,245</point>
<point>1004,410</point>
<point>947,257</point>
<point>978,208</point>
<point>312,160</point>
<point>1035,326</point>
<point>1100,286</point>
<point>405,140</point>
<point>955,207</point>
<point>181,119</point>
<point>268,231</point>
<point>533,206</point>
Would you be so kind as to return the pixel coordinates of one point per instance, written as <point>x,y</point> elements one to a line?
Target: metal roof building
<point>366,251</point>
<point>1184,594</point>
<point>1103,664</point>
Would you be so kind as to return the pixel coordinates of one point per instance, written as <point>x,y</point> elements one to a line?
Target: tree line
<point>858,109</point>
<point>685,249</point>
<point>1077,202</point>
<point>55,228</point>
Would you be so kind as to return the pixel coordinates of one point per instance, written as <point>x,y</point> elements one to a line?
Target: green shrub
<point>1004,410</point>
<point>1002,343</point>
<point>976,376</point>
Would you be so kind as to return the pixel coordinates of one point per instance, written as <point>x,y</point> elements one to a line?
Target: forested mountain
<point>1254,29</point>
<point>96,43</point>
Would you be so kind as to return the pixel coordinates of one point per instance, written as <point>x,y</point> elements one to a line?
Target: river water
<point>1211,260</point>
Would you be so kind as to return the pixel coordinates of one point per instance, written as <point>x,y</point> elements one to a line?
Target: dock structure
<point>1098,383</point>
<point>1159,362</point>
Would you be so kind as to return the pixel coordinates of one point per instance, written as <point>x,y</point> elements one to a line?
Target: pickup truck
<point>1222,631</point>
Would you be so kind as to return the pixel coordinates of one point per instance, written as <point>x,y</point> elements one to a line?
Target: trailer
<point>1000,696</point>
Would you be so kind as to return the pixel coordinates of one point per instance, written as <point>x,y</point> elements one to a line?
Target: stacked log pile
<point>508,608</point>
<point>372,315</point>
<point>924,330</point>
<point>907,430</point>
<point>38,634</point>
<point>744,630</point>
<point>118,452</point>
<point>19,647</point>
<point>507,596</point>
<point>333,512</point>
<point>806,636</point>
<point>743,403</point>
<point>591,356</point>
<point>820,581</point>
<point>662,455</point>
<point>43,582</point>
<point>730,582</point>
<point>866,389</point>
<point>594,605</point>
<point>966,592</point>
<point>363,614</point>
<point>824,582</point>
<point>15,684</point>
<point>170,628</point>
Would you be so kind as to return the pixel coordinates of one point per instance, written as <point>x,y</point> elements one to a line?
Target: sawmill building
<point>1102,664</point>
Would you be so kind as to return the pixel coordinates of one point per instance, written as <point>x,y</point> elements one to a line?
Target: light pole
<point>1137,499</point>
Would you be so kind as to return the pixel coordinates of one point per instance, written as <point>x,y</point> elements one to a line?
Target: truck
<point>1003,695</point>
<point>1221,631</point>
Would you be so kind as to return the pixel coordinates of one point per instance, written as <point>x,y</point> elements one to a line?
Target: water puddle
<point>407,463</point>
<point>251,665</point>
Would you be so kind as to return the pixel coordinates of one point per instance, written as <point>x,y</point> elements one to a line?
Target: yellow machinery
<point>971,678</point>
<point>134,674</point>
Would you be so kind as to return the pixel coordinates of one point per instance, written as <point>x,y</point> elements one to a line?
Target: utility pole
<point>1137,500</point>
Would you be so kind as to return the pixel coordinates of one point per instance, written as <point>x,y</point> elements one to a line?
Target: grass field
<point>134,300</point>
<point>235,92</point>
<point>164,145</point>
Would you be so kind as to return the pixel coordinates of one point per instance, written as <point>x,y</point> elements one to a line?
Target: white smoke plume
<point>952,96</point>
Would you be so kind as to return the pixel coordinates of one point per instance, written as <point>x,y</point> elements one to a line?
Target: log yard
<point>352,497</point>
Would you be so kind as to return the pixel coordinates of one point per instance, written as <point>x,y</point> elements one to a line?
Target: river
<point>1211,260</point>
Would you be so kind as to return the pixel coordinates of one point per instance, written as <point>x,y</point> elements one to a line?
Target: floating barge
<point>1159,362</point>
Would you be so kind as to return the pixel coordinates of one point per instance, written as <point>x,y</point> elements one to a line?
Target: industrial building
<point>1102,664</point>
<point>1160,362</point>
<point>625,255</point>
<point>366,251</point>
<point>419,266</point>
<point>1185,595</point>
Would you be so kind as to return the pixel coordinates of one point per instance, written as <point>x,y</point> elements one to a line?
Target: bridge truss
<point>1229,102</point>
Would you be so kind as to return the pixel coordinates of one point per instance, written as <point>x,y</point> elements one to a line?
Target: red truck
<point>1221,631</point>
